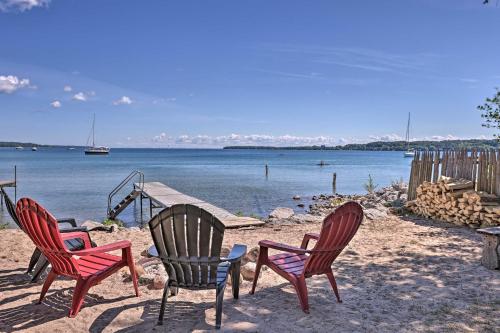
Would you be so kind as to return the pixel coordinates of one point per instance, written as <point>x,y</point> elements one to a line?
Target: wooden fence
<point>480,166</point>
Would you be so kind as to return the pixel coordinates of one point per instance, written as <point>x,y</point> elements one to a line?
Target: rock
<point>281,213</point>
<point>91,224</point>
<point>159,281</point>
<point>148,261</point>
<point>375,214</point>
<point>296,197</point>
<point>301,205</point>
<point>139,270</point>
<point>306,218</point>
<point>248,271</point>
<point>251,256</point>
<point>224,252</point>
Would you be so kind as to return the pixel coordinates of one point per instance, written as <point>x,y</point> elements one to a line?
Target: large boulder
<point>281,213</point>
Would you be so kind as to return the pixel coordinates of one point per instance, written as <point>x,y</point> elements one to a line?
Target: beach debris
<point>296,197</point>
<point>281,213</point>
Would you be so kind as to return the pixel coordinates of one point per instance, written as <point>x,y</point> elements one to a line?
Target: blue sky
<point>213,73</point>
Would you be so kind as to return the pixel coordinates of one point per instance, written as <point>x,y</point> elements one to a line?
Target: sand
<point>396,275</point>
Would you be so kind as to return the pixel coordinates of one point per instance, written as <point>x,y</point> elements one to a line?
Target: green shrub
<point>4,226</point>
<point>108,222</point>
<point>370,185</point>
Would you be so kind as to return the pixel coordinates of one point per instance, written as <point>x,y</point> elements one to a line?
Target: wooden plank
<point>166,196</point>
<point>7,183</point>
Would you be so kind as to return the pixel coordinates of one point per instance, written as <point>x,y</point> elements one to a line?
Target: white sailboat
<point>93,150</point>
<point>409,151</point>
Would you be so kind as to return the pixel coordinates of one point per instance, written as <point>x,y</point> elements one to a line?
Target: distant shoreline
<point>371,146</point>
<point>390,146</point>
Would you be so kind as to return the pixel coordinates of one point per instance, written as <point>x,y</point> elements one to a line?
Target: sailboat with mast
<point>92,149</point>
<point>409,151</point>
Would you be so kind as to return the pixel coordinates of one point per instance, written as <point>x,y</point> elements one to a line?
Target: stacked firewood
<point>455,201</point>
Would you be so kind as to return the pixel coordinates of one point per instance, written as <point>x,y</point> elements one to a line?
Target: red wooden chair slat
<point>297,263</point>
<point>88,266</point>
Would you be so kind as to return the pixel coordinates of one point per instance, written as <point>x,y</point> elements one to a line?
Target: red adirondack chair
<point>88,266</point>
<point>298,263</point>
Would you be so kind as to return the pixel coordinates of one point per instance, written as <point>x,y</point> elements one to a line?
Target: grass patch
<point>4,226</point>
<point>110,222</point>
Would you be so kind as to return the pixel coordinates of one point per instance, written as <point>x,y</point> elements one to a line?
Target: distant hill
<point>392,145</point>
<point>9,144</point>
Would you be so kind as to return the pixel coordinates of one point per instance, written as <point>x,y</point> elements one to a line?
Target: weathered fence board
<point>480,166</point>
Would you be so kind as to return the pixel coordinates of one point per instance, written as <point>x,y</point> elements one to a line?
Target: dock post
<point>15,183</point>
<point>141,197</point>
<point>334,183</point>
<point>267,170</point>
<point>150,208</point>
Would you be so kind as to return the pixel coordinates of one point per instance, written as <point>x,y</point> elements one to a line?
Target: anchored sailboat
<point>409,151</point>
<point>93,150</point>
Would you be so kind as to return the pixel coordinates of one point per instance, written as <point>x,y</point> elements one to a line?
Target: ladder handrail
<point>124,182</point>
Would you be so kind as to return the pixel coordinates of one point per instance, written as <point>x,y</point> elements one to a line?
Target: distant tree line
<point>393,145</point>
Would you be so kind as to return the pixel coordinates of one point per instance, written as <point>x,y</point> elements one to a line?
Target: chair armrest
<point>70,221</point>
<point>77,235</point>
<point>307,238</point>
<point>283,247</point>
<point>123,244</point>
<point>237,252</point>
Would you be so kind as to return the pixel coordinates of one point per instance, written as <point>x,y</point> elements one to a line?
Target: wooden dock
<point>7,183</point>
<point>164,196</point>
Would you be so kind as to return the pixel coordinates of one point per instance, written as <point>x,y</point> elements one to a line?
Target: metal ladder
<point>136,191</point>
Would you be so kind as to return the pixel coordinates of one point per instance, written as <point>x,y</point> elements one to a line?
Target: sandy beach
<point>397,274</point>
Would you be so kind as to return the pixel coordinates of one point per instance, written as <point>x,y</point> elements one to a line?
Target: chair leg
<point>46,285</point>
<point>81,288</point>
<point>301,289</point>
<point>133,274</point>
<point>163,302</point>
<point>218,304</point>
<point>34,259</point>
<point>256,276</point>
<point>40,267</point>
<point>235,279</point>
<point>334,285</point>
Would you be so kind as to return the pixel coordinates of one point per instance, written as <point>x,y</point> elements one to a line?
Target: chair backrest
<point>43,230</point>
<point>10,207</point>
<point>189,241</point>
<point>339,227</point>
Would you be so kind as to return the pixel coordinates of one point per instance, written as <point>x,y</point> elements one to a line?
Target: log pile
<point>455,201</point>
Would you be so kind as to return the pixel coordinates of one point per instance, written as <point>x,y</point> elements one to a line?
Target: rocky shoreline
<point>378,204</point>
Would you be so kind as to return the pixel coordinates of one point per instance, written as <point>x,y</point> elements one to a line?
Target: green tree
<point>491,113</point>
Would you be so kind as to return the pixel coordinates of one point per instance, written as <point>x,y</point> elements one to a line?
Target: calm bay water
<point>70,184</point>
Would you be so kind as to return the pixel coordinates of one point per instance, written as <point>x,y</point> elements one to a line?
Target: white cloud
<point>386,137</point>
<point>278,141</point>
<point>239,139</point>
<point>80,97</point>
<point>467,80</point>
<point>67,89</point>
<point>124,100</point>
<point>21,5</point>
<point>11,83</point>
<point>56,104</point>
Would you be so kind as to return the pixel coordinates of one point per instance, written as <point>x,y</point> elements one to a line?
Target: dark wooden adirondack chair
<point>88,266</point>
<point>188,240</point>
<point>38,263</point>
<point>298,263</point>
